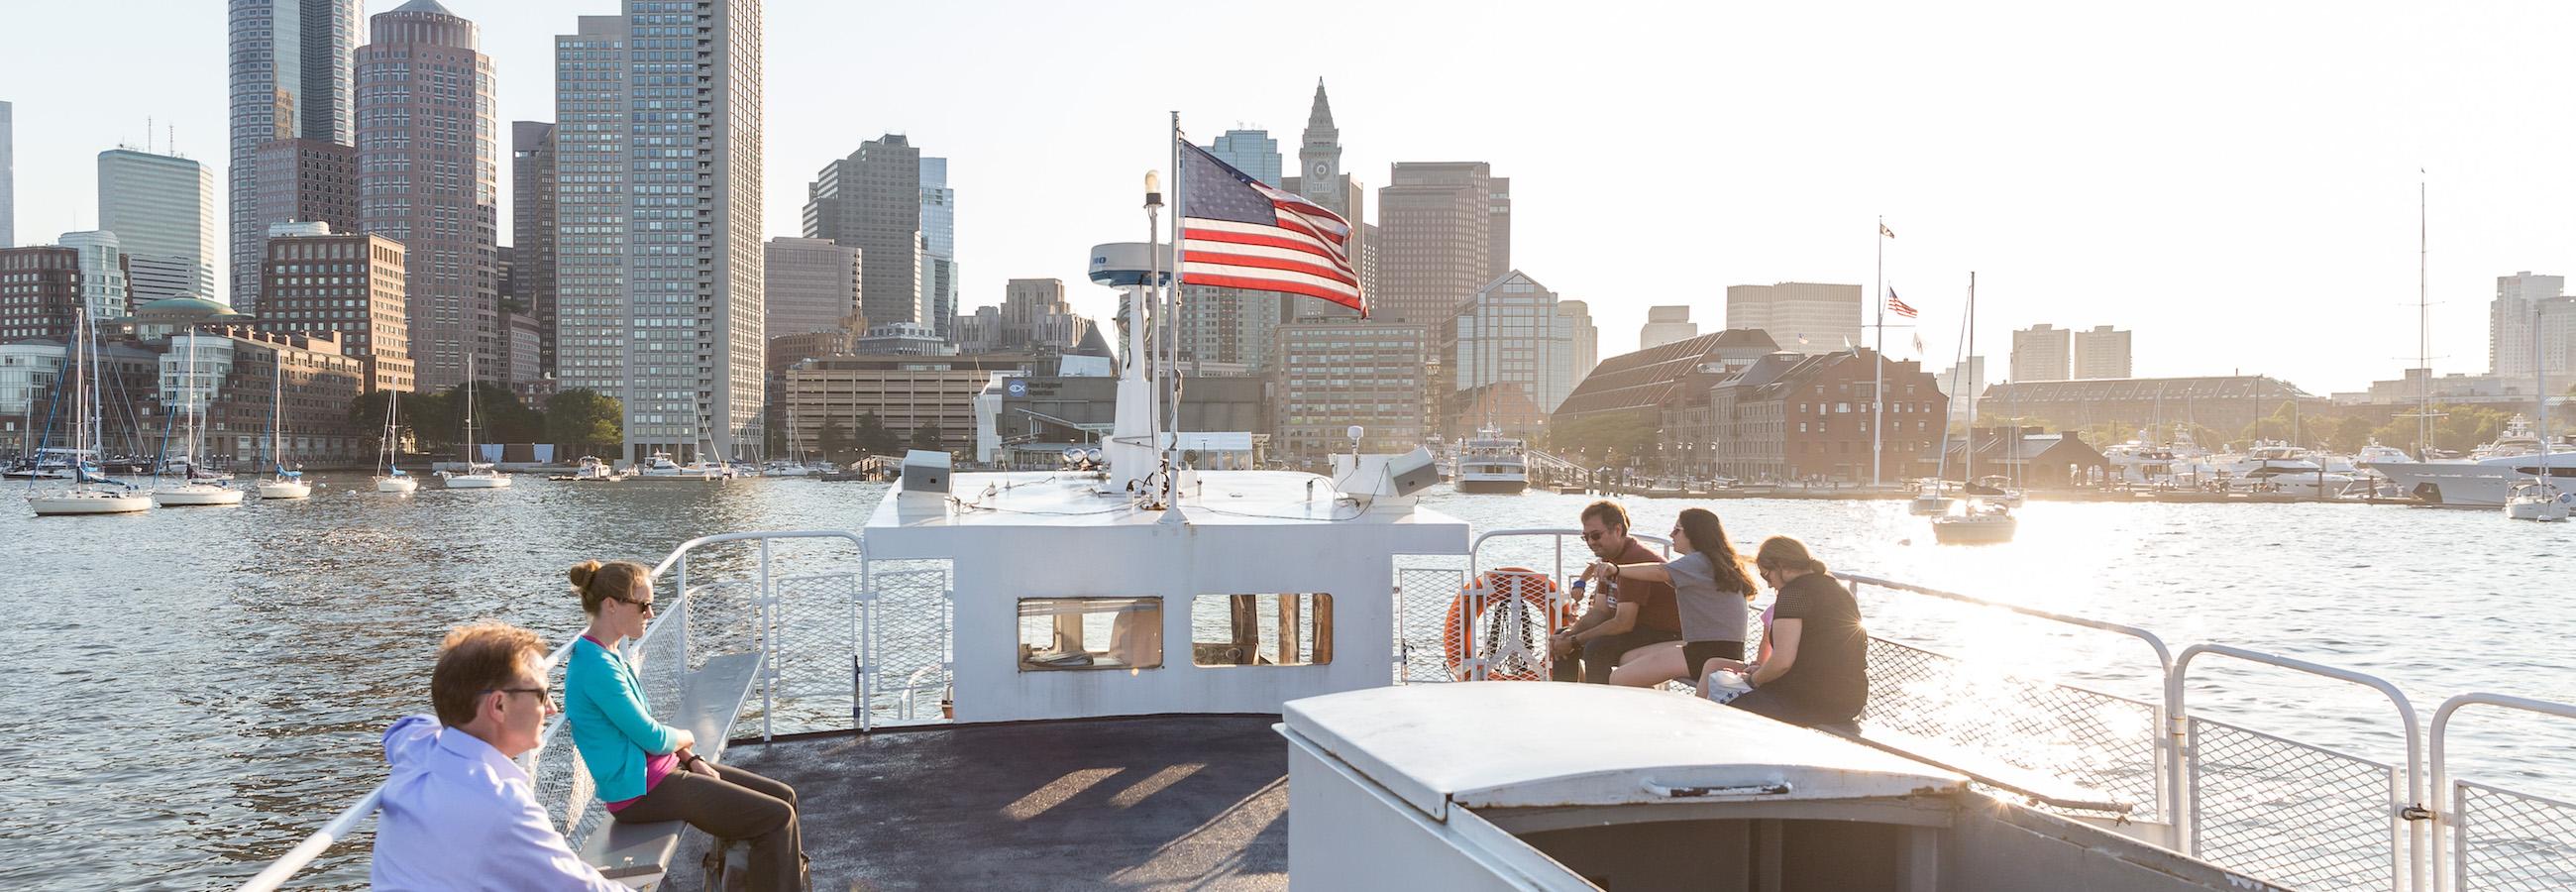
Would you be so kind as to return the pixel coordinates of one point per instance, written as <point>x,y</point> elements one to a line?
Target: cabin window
<point>1293,629</point>
<point>1060,634</point>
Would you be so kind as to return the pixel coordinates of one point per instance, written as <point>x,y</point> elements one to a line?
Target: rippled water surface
<point>191,690</point>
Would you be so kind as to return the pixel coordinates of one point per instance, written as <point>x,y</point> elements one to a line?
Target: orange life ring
<point>1490,608</point>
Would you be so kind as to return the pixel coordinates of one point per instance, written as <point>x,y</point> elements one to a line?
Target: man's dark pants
<point>1601,654</point>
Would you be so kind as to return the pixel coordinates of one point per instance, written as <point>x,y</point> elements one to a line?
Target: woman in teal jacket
<point>646,771</point>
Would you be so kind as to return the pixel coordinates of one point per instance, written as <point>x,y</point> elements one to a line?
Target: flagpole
<point>1165,388</point>
<point>1878,364</point>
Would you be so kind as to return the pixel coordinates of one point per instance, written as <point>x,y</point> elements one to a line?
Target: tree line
<point>579,419</point>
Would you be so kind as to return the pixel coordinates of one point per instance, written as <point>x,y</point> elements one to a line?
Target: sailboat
<point>192,488</point>
<point>2538,498</point>
<point>1930,500</point>
<point>477,474</point>
<point>1981,521</point>
<point>388,477</point>
<point>91,492</point>
<point>281,483</point>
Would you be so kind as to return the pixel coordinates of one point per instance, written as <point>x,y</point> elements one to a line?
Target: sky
<point>2236,183</point>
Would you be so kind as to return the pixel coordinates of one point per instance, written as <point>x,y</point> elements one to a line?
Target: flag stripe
<point>1214,259</point>
<point>1238,232</point>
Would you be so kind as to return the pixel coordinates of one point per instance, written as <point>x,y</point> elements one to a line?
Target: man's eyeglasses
<point>1594,535</point>
<point>542,694</point>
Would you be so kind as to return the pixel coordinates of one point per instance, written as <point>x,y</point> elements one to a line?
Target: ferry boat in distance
<point>1491,462</point>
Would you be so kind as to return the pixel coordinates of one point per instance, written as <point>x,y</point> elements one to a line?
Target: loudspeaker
<point>925,471</point>
<point>1413,471</point>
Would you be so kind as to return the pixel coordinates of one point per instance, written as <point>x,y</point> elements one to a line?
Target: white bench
<point>710,699</point>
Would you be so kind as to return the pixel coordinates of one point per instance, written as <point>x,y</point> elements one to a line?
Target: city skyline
<point>2280,172</point>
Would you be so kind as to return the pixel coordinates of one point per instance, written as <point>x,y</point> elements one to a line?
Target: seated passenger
<point>1817,672</point>
<point>1710,590</point>
<point>1623,618</point>
<point>646,771</point>
<point>457,813</point>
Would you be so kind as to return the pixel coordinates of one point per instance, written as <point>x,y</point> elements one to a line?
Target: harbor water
<point>192,690</point>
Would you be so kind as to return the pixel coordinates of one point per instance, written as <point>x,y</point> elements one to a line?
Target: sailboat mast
<point>1968,470</point>
<point>2423,332</point>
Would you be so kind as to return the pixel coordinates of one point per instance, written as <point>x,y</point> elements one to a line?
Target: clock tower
<point>1319,158</point>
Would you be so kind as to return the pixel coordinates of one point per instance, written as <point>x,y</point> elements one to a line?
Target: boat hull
<point>1973,532</point>
<point>270,489</point>
<point>63,505</point>
<point>478,481</point>
<point>396,484</point>
<point>2475,484</point>
<point>197,495</point>
<point>2548,511</point>
<point>1493,485</point>
<point>1931,506</point>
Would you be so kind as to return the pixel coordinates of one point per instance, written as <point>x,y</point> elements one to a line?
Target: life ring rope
<point>1489,626</point>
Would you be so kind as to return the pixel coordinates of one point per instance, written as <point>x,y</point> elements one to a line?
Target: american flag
<point>1898,306</point>
<point>1237,232</point>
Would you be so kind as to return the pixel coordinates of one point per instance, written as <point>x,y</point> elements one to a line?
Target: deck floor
<point>1196,802</point>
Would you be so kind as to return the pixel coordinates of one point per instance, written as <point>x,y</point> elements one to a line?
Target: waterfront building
<point>2224,403</point>
<point>2522,301</point>
<point>2041,352</point>
<point>1334,374</point>
<point>150,278</point>
<point>161,207</point>
<point>2102,352</point>
<point>40,286</point>
<point>1319,177</point>
<point>103,286</point>
<point>905,392</point>
<point>1790,417</point>
<point>29,369</point>
<point>1577,318</point>
<point>1804,317</point>
<point>520,362</point>
<point>811,285</point>
<point>1665,325</point>
<point>349,286</point>
<point>532,231</point>
<point>658,243</point>
<point>1665,387</point>
<point>320,382</point>
<point>1510,338</point>
<point>308,181</point>
<point>8,177</point>
<point>428,178</point>
<point>872,201</point>
<point>1037,319</point>
<point>290,79</point>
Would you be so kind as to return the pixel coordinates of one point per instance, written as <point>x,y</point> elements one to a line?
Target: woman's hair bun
<point>582,572</point>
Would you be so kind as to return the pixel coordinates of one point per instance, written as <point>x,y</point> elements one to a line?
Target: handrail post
<point>2443,812</point>
<point>767,616</point>
<point>2406,849</point>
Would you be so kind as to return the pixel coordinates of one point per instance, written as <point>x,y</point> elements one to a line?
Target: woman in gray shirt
<point>1710,589</point>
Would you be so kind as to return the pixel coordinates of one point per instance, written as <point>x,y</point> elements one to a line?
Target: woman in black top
<point>1818,672</point>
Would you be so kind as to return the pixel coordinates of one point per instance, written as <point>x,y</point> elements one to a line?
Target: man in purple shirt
<point>457,812</point>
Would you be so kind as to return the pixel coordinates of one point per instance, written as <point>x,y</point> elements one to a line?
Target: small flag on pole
<point>1237,232</point>
<point>1884,232</point>
<point>1898,306</point>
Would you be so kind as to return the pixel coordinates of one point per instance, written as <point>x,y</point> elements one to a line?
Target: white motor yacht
<point>1491,462</point>
<point>2483,483</point>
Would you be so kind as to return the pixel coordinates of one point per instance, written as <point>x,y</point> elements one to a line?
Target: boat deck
<point>1195,802</point>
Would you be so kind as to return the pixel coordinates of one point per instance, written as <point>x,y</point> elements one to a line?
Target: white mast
<point>1878,363</point>
<point>1969,455</point>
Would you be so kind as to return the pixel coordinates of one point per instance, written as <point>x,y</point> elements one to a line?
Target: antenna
<point>147,134</point>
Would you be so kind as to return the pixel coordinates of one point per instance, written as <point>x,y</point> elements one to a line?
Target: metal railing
<point>2500,839</point>
<point>664,656</point>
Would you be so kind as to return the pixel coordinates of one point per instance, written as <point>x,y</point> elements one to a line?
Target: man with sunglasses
<point>457,812</point>
<point>1623,616</point>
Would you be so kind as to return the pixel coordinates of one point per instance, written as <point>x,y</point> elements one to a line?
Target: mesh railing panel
<point>1422,605</point>
<point>2098,741</point>
<point>2287,812</point>
<point>814,643</point>
<point>2510,841</point>
<point>905,623</point>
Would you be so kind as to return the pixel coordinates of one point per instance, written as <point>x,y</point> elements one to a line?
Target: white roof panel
<point>1509,744</point>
